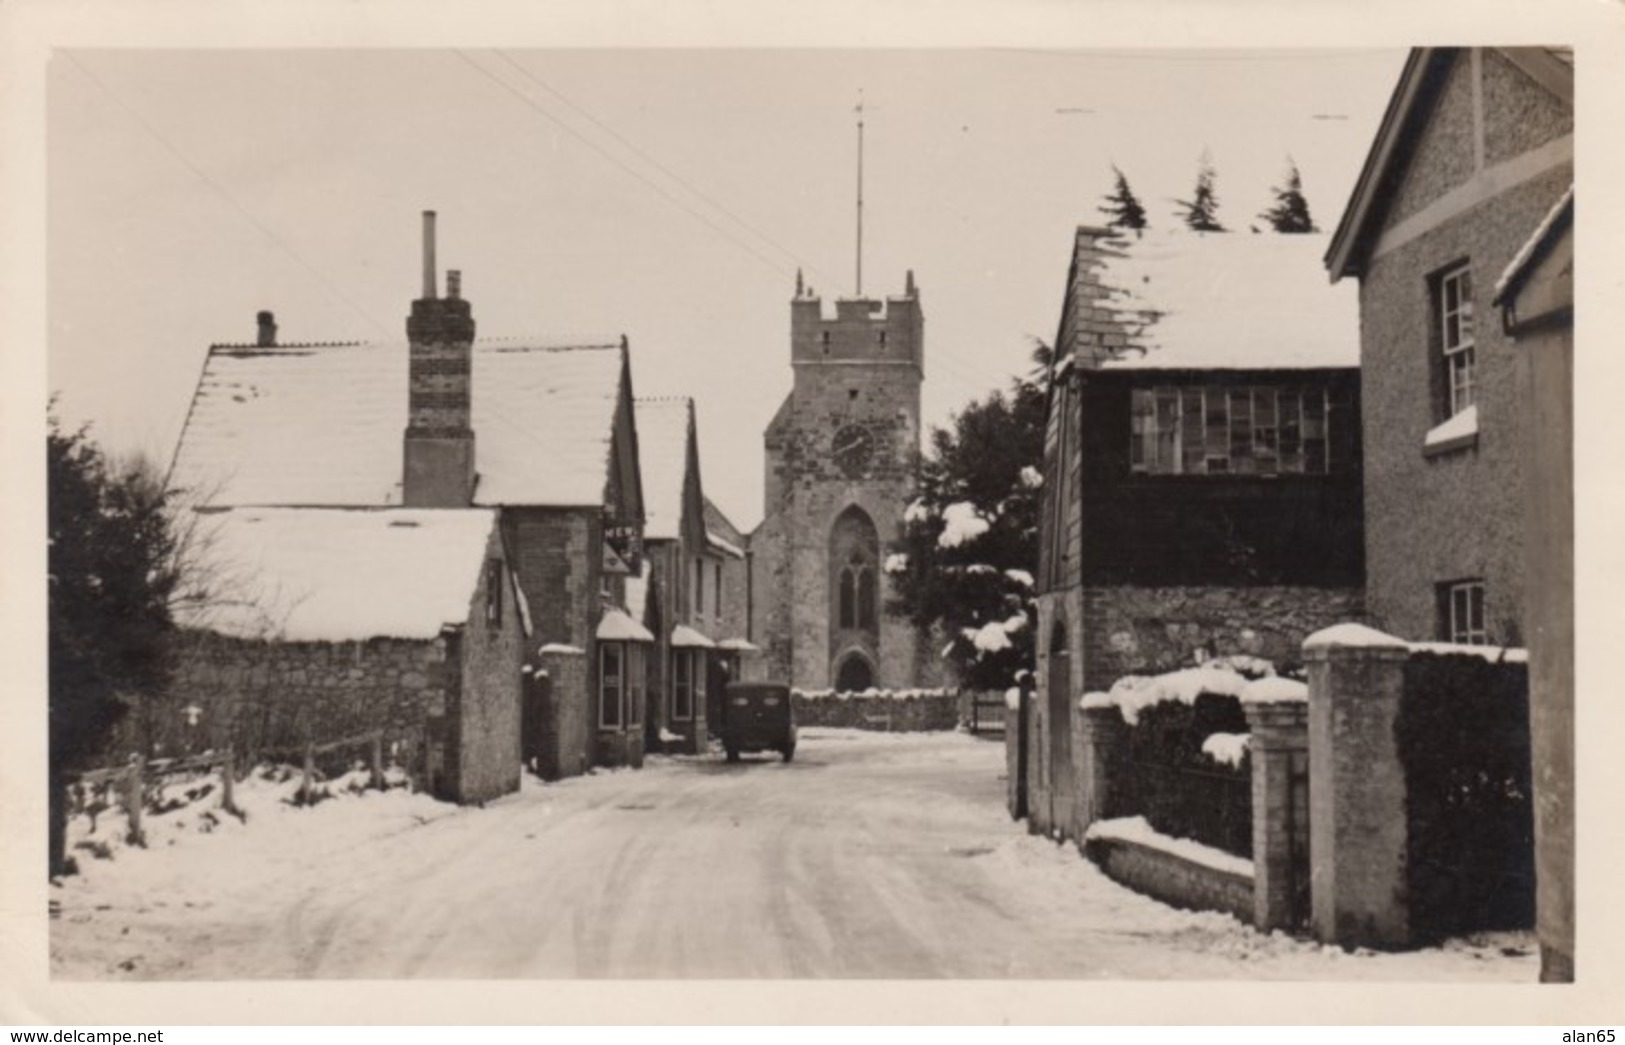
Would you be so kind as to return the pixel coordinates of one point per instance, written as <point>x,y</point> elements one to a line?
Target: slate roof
<point>339,575</point>
<point>1223,301</point>
<point>663,426</point>
<point>322,425</point>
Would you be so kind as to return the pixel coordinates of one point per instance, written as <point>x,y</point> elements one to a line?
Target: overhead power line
<point>664,193</point>
<point>220,190</point>
<point>655,162</point>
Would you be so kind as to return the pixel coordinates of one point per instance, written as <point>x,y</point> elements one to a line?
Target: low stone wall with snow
<point>1175,871</point>
<point>897,711</point>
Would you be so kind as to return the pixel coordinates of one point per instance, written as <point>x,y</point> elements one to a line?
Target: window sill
<point>1443,447</point>
<point>1455,434</point>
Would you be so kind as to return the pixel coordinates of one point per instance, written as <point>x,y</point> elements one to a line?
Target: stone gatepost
<point>1357,835</point>
<point>1278,718</point>
<point>1100,747</point>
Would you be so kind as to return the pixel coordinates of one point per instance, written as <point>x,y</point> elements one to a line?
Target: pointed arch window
<point>857,595</point>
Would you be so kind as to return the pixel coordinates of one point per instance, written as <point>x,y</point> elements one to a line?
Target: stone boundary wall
<point>1171,878</point>
<point>900,711</point>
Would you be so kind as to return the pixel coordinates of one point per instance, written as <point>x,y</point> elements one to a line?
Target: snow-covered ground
<point>871,855</point>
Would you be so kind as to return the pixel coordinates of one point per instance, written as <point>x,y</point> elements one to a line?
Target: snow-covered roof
<point>723,545</point>
<point>1526,254</point>
<point>685,637</point>
<point>617,626</point>
<point>663,458</point>
<point>336,575</point>
<point>315,425</point>
<point>1226,301</point>
<point>739,645</point>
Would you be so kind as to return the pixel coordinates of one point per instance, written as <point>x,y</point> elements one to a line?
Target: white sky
<point>667,195</point>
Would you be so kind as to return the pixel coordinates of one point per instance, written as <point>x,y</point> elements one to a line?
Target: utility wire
<point>243,211</point>
<point>667,171</point>
<point>776,266</point>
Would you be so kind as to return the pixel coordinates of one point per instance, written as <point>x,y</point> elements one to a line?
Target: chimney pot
<point>428,256</point>
<point>267,329</point>
<point>454,284</point>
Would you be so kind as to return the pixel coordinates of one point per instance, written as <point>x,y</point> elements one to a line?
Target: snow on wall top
<point>1227,301</point>
<point>332,575</point>
<point>322,425</point>
<point>663,460</point>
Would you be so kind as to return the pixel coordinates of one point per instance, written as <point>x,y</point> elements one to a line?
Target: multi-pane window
<point>620,684</point>
<point>611,683</point>
<point>682,685</point>
<point>634,685</point>
<point>1215,430</point>
<point>857,595</point>
<point>716,589</point>
<point>1464,610</point>
<point>699,587</point>
<point>1455,310</point>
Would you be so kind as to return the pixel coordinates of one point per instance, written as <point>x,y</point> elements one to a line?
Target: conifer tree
<point>1291,210</point>
<point>1122,206</point>
<point>1201,212</point>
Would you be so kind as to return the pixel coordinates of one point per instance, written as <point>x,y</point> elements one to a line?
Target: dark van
<point>756,717</point>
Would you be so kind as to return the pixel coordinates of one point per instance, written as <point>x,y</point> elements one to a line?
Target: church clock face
<point>852,449</point>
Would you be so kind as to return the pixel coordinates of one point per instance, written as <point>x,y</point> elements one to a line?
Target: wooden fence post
<point>132,800</point>
<point>310,772</point>
<point>228,777</point>
<point>378,760</point>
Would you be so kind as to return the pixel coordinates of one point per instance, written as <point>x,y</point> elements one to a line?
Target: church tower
<point>840,455</point>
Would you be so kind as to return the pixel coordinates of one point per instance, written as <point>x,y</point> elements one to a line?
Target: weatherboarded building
<point>542,434</point>
<point>1202,469</point>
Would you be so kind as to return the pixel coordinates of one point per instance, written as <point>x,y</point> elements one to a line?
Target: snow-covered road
<point>869,856</point>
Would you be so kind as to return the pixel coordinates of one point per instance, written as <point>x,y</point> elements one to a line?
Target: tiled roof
<point>312,425</point>
<point>337,575</point>
<point>663,457</point>
<point>1225,301</point>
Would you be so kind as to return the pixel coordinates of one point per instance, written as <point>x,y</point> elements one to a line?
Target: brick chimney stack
<point>267,331</point>
<point>439,446</point>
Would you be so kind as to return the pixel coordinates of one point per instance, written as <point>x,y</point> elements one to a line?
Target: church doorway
<point>854,674</point>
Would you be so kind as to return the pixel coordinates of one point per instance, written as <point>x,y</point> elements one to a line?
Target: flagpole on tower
<point>860,192</point>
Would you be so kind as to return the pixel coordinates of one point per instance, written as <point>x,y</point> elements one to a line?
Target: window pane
<point>1216,444</point>
<point>866,597</point>
<point>1167,431</point>
<point>849,599</point>
<point>1241,431</point>
<point>1264,430</point>
<point>1191,431</point>
<point>609,684</point>
<point>1142,430</point>
<point>1289,404</point>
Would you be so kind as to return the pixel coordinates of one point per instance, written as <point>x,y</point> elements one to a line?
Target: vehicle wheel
<point>733,754</point>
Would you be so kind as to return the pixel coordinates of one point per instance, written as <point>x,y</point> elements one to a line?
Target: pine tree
<point>112,572</point>
<point>988,459</point>
<point>1291,210</point>
<point>1201,212</point>
<point>1123,207</point>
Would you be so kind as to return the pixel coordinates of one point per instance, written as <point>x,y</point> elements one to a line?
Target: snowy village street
<point>871,855</point>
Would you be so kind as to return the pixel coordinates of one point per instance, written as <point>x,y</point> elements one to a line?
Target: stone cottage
<point>1464,206</point>
<point>343,622</point>
<point>1476,147</point>
<point>1201,470</point>
<point>541,433</point>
